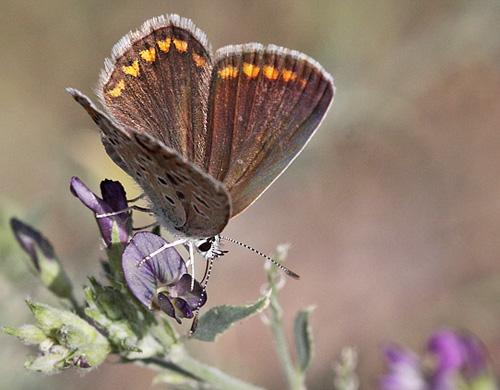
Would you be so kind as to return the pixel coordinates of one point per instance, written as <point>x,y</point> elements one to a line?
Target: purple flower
<point>458,356</point>
<point>405,370</point>
<point>116,228</point>
<point>80,362</point>
<point>33,243</point>
<point>43,258</point>
<point>162,281</point>
<point>458,361</point>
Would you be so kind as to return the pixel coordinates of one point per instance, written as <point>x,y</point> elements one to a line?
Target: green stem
<point>294,378</point>
<point>180,359</point>
<point>76,306</point>
<point>279,338</point>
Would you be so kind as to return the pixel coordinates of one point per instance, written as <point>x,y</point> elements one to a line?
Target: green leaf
<point>220,318</point>
<point>303,339</point>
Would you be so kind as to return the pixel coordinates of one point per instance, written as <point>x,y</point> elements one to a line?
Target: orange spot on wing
<point>251,70</point>
<point>148,54</point>
<point>271,72</point>
<point>288,75</point>
<point>164,45</point>
<point>117,90</point>
<point>132,70</point>
<point>229,71</point>
<point>180,45</point>
<point>198,60</point>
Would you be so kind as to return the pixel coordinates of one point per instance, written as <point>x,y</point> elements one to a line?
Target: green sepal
<point>30,334</point>
<point>53,276</point>
<point>130,327</point>
<point>70,336</point>
<point>49,362</point>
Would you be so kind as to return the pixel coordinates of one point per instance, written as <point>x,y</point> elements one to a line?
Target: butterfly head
<point>209,248</point>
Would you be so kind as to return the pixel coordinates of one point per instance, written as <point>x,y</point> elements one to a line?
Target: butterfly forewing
<point>157,81</point>
<point>265,104</point>
<point>186,200</point>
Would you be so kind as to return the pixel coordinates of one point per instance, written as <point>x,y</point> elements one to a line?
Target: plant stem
<point>180,359</point>
<point>294,379</point>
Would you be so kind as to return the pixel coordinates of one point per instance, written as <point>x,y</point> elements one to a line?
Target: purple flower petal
<point>166,306</point>
<point>80,362</point>
<point>195,297</point>
<point>457,354</point>
<point>162,281</point>
<point>31,239</point>
<point>88,198</point>
<point>43,257</point>
<point>476,356</point>
<point>114,195</point>
<point>405,372</point>
<point>459,361</point>
<point>174,307</point>
<point>448,349</point>
<point>115,200</point>
<point>182,308</point>
<point>166,268</point>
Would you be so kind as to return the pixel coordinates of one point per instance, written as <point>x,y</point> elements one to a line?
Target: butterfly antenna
<point>206,277</point>
<point>281,267</point>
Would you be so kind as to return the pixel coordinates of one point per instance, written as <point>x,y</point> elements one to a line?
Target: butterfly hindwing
<point>206,202</point>
<point>183,198</point>
<point>157,82</point>
<point>265,104</point>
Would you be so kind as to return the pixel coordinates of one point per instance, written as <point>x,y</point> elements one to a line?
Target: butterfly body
<point>204,135</point>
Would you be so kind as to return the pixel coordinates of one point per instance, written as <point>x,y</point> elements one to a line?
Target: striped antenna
<point>281,267</point>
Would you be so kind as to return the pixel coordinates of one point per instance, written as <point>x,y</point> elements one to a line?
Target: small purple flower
<point>458,361</point>
<point>80,362</point>
<point>405,370</point>
<point>114,200</point>
<point>32,242</point>
<point>458,356</point>
<point>45,262</point>
<point>163,281</point>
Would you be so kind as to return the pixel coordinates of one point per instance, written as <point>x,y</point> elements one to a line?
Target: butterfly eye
<point>205,246</point>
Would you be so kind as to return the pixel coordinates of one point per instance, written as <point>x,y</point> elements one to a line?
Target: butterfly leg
<point>191,261</point>
<point>136,198</point>
<point>112,214</point>
<point>154,224</point>
<point>159,250</point>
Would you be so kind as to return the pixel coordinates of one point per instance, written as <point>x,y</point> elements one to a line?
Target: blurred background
<point>393,209</point>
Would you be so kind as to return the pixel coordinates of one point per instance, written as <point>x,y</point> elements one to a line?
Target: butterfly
<point>203,134</point>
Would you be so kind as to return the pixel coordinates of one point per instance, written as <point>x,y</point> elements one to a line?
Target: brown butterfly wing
<point>185,200</point>
<point>157,82</point>
<point>242,120</point>
<point>265,104</point>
